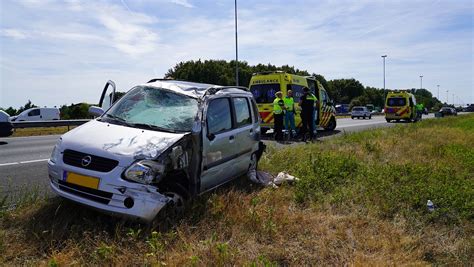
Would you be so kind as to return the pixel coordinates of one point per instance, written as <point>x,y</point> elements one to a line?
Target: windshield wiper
<point>152,127</point>
<point>117,119</point>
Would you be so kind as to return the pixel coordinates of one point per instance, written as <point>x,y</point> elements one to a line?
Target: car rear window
<point>396,102</point>
<point>357,109</point>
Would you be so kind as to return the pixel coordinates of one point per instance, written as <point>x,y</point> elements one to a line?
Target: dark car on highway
<point>6,127</point>
<point>469,108</point>
<point>448,111</point>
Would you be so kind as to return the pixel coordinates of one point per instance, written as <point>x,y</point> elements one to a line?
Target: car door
<point>245,133</point>
<point>107,96</point>
<point>218,144</point>
<point>34,115</point>
<point>324,110</point>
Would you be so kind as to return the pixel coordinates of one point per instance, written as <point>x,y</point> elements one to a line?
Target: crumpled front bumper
<point>114,195</point>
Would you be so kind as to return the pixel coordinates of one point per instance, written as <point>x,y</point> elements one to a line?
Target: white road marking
<point>22,162</point>
<point>360,124</point>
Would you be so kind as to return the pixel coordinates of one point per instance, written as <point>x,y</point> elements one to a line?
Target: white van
<point>38,114</point>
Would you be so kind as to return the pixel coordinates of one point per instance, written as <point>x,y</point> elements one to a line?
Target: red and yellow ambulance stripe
<point>325,116</point>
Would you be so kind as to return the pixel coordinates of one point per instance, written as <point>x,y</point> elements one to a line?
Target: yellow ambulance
<point>400,105</point>
<point>264,85</point>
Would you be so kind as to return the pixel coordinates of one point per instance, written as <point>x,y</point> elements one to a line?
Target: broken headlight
<point>56,153</point>
<point>145,172</point>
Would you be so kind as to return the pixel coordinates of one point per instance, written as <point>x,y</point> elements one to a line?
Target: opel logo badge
<point>86,161</point>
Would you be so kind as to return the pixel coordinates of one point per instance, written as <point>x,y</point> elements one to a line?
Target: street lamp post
<point>447,96</point>
<point>421,81</point>
<point>438,91</point>
<point>384,56</point>
<point>236,48</point>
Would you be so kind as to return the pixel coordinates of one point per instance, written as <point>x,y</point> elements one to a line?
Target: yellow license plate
<point>82,180</point>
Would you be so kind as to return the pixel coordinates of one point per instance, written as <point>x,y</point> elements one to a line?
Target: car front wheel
<point>174,210</point>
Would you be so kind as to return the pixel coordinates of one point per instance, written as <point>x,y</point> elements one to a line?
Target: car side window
<point>219,117</point>
<point>255,111</point>
<point>34,112</point>
<point>242,111</point>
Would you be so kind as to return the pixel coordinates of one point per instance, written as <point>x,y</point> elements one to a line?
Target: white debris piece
<point>267,179</point>
<point>284,177</point>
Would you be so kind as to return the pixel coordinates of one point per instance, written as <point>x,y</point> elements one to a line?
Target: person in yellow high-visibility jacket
<point>278,109</point>
<point>290,113</point>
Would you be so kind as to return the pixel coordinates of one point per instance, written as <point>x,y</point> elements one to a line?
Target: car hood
<point>122,143</point>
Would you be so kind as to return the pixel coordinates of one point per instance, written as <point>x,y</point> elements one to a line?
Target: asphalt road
<point>23,159</point>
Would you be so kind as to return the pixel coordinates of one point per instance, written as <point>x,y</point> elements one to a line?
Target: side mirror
<point>96,111</point>
<point>211,136</point>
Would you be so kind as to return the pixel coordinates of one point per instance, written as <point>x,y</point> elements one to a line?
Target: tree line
<point>222,72</point>
<point>341,91</point>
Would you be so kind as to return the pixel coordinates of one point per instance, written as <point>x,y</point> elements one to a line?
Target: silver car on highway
<point>360,112</point>
<point>159,145</point>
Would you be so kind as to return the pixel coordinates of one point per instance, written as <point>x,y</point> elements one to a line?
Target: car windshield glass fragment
<point>156,107</point>
<point>396,102</point>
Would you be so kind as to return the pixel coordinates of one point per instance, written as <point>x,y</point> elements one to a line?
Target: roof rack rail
<point>214,90</point>
<point>159,79</point>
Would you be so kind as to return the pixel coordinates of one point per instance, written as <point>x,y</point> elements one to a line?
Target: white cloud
<point>14,33</point>
<point>184,3</point>
<point>130,38</point>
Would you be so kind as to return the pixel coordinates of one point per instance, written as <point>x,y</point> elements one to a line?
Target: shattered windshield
<point>155,109</point>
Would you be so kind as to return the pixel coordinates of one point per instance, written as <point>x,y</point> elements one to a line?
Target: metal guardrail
<point>54,123</point>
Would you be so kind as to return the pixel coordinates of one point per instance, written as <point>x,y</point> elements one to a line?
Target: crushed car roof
<point>191,89</point>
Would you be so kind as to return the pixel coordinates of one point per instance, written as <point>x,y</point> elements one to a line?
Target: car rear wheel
<point>364,117</point>
<point>370,117</point>
<point>331,125</point>
<point>388,120</point>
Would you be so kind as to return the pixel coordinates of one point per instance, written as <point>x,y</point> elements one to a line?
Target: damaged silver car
<point>161,144</point>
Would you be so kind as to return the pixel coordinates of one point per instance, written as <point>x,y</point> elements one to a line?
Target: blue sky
<point>61,52</point>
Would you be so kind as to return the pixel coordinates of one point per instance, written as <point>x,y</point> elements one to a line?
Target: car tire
<point>370,117</point>
<point>331,125</point>
<point>388,120</point>
<point>174,210</point>
<point>352,117</point>
<point>364,117</point>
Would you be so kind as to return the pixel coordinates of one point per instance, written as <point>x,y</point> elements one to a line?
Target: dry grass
<point>235,228</point>
<point>41,131</point>
<point>361,201</point>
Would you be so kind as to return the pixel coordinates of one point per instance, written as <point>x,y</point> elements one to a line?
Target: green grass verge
<point>41,131</point>
<point>361,200</point>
